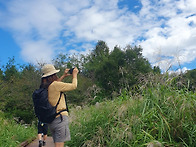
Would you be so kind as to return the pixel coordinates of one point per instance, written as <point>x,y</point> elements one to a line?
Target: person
<point>59,127</point>
<point>42,131</point>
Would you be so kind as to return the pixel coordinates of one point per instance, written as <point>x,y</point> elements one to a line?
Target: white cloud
<point>175,38</point>
<point>94,24</point>
<point>179,71</point>
<point>37,51</point>
<point>168,27</point>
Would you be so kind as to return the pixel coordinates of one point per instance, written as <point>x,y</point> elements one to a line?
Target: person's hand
<point>75,72</point>
<point>66,72</point>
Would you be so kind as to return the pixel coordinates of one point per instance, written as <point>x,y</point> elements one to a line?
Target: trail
<point>49,143</point>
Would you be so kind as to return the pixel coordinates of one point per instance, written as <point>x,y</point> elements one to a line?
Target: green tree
<point>156,70</point>
<point>118,69</point>
<point>1,74</point>
<point>93,62</point>
<point>18,95</point>
<point>101,50</point>
<point>107,74</point>
<point>191,79</point>
<point>61,60</point>
<point>11,71</point>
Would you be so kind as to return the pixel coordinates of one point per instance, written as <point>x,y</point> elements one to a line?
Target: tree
<point>60,60</point>
<point>190,77</point>
<point>101,49</point>
<point>1,74</point>
<point>156,70</point>
<point>107,74</point>
<point>11,70</point>
<point>94,60</point>
<point>118,69</point>
<point>18,94</point>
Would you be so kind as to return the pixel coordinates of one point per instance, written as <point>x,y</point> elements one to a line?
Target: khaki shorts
<point>60,129</point>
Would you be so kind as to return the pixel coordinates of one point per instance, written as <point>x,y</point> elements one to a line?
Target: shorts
<point>60,129</point>
<point>42,128</point>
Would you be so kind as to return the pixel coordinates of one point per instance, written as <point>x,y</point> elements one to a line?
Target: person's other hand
<point>66,72</point>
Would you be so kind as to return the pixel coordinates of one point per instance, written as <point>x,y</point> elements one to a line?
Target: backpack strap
<point>65,103</point>
<point>59,99</point>
<point>59,113</point>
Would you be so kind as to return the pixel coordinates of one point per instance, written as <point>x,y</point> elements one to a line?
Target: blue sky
<point>37,30</point>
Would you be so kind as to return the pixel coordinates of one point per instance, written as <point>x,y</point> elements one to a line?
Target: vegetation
<point>12,134</point>
<point>16,90</point>
<point>190,78</point>
<point>115,70</point>
<point>159,115</point>
<point>125,101</point>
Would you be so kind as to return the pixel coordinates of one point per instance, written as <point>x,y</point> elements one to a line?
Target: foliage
<point>156,70</point>
<point>16,94</point>
<point>66,61</point>
<point>190,78</point>
<point>115,70</point>
<point>1,74</point>
<point>11,71</point>
<point>12,134</point>
<point>94,61</point>
<point>185,80</point>
<point>160,114</point>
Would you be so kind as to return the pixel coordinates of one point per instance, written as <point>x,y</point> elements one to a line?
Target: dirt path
<point>49,143</point>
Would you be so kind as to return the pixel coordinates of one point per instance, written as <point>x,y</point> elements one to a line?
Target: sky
<point>35,31</point>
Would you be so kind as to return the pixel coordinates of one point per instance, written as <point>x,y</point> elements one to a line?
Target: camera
<point>71,71</point>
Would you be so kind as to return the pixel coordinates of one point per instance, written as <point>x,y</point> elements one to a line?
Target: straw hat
<point>48,70</point>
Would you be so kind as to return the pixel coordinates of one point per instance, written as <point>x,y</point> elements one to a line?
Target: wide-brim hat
<point>48,70</point>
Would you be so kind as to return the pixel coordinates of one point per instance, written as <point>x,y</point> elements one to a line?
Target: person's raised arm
<point>74,79</point>
<point>69,86</point>
<point>75,72</point>
<point>64,75</point>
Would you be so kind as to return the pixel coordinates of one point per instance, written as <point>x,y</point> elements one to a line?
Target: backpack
<point>44,111</point>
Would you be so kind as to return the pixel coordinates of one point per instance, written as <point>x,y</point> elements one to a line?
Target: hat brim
<point>50,73</point>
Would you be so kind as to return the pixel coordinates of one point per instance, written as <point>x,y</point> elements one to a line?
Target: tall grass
<point>159,114</point>
<point>12,134</point>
